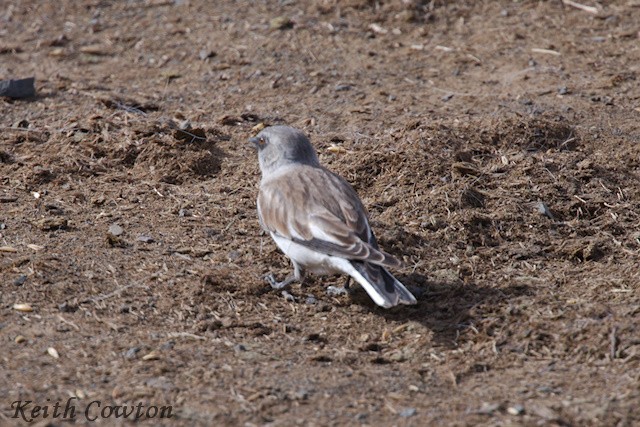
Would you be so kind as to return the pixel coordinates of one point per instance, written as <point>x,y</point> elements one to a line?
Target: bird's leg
<point>298,275</point>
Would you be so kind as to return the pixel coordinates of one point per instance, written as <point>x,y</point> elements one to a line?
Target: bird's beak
<point>258,142</point>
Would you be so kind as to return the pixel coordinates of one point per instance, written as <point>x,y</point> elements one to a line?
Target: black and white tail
<point>384,289</point>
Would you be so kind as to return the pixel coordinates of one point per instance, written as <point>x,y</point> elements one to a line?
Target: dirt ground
<point>496,145</point>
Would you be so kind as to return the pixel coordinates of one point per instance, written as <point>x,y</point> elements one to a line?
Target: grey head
<point>280,146</point>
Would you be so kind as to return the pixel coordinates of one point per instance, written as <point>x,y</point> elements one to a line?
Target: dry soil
<point>495,144</point>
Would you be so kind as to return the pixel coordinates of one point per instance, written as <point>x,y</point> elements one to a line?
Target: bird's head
<point>281,146</point>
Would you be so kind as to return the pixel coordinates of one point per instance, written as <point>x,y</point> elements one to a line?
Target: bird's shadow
<point>448,308</point>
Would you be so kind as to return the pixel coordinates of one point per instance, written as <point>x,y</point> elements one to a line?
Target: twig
<point>157,192</point>
<point>581,199</point>
<point>545,51</point>
<point>193,136</point>
<point>21,129</point>
<point>110,294</point>
<point>185,334</point>
<point>128,108</point>
<point>580,6</point>
<point>613,342</point>
<point>109,324</point>
<point>68,322</point>
<point>450,92</point>
<point>603,186</point>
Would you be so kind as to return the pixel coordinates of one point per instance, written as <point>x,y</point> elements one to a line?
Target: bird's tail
<point>384,289</point>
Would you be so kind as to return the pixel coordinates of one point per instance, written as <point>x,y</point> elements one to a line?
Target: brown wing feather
<point>320,210</point>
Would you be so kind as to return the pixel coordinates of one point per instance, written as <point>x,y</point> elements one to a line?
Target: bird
<point>317,219</point>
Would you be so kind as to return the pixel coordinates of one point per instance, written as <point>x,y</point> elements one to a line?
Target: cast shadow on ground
<point>447,309</point>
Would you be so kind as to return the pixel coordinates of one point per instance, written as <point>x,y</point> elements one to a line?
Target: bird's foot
<point>335,291</point>
<point>271,280</point>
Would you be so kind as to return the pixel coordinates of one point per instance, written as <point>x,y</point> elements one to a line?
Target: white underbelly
<point>310,260</point>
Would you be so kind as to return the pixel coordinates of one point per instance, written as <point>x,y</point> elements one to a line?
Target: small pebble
<point>516,409</point>
<point>407,412</point>
<point>257,128</point>
<point>53,353</point>
<point>65,307</point>
<point>160,382</point>
<point>311,300</point>
<point>20,280</point>
<point>335,291</point>
<point>145,239</point>
<point>301,394</point>
<point>115,230</point>
<point>25,308</point>
<point>397,356</point>
<point>154,355</point>
<point>543,209</point>
<point>342,88</point>
<point>280,23</point>
<point>51,224</point>
<point>488,408</point>
<point>205,54</point>
<point>288,296</point>
<point>19,339</point>
<point>168,345</point>
<point>18,88</point>
<point>131,353</point>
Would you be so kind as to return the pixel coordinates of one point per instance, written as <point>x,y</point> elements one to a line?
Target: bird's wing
<point>318,209</point>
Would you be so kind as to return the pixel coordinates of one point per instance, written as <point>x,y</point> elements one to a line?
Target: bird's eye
<point>258,141</point>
